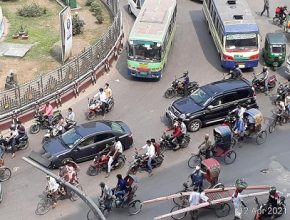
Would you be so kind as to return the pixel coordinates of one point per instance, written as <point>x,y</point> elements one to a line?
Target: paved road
<point>140,104</point>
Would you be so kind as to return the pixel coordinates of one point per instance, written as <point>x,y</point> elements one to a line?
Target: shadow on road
<point>205,39</point>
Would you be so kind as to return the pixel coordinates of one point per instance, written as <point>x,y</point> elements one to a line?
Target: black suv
<point>212,102</point>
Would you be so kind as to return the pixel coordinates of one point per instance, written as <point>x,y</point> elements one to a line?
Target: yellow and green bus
<point>151,38</point>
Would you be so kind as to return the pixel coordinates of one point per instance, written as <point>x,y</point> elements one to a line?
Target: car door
<point>229,102</point>
<point>85,148</point>
<point>102,140</point>
<point>214,111</point>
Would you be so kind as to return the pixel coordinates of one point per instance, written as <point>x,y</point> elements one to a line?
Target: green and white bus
<point>151,38</point>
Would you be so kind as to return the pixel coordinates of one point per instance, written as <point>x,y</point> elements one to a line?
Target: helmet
<point>272,190</point>
<point>12,127</point>
<point>265,68</point>
<point>102,184</point>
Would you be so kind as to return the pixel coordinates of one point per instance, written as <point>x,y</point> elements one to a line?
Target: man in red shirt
<point>48,111</point>
<point>176,135</point>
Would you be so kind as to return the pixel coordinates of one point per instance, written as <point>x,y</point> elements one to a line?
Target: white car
<point>134,6</point>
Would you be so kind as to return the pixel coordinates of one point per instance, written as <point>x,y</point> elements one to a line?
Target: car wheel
<point>194,125</point>
<point>66,160</point>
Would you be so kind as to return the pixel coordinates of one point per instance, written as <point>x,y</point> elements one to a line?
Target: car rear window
<point>116,127</point>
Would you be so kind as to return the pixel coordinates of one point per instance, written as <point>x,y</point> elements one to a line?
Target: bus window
<point>241,41</point>
<point>146,50</point>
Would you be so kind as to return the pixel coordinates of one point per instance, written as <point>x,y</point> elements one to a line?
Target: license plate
<point>143,73</point>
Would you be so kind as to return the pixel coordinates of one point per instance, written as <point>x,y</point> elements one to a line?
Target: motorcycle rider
<point>12,139</point>
<point>156,146</point>
<point>52,187</point>
<point>176,136</point>
<point>184,84</point>
<point>48,112</point>
<point>150,153</point>
<point>21,131</point>
<point>283,14</point>
<point>106,195</point>
<point>273,198</point>
<point>101,95</point>
<point>235,73</point>
<point>205,147</point>
<point>264,78</point>
<point>70,119</point>
<point>114,153</point>
<point>121,187</point>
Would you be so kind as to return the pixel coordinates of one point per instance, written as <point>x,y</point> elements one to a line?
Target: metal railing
<point>68,77</point>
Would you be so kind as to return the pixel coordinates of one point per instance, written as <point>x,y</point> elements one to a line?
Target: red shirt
<point>177,132</point>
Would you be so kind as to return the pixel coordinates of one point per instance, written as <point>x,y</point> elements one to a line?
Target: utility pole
<point>95,209</point>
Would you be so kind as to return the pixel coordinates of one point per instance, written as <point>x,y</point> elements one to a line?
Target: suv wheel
<point>194,125</point>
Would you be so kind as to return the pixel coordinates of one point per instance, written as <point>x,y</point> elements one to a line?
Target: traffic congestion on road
<point>192,122</point>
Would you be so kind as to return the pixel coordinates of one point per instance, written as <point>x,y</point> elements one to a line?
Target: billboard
<point>66,33</point>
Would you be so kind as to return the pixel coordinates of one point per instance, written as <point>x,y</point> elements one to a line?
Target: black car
<point>82,143</point>
<point>211,103</point>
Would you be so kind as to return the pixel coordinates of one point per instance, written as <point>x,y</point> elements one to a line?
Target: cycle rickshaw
<point>253,120</point>
<point>222,147</point>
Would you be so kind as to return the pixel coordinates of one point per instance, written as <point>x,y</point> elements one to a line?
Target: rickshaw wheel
<point>178,216</point>
<point>135,207</point>
<point>222,210</point>
<point>230,157</point>
<point>261,137</point>
<point>218,185</point>
<point>193,161</point>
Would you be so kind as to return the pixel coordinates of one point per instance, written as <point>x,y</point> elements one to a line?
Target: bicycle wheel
<point>222,210</point>
<point>272,126</point>
<point>261,137</point>
<point>230,157</point>
<point>178,216</point>
<point>74,196</point>
<point>134,207</point>
<point>193,161</point>
<point>180,201</point>
<point>43,206</point>
<point>91,215</point>
<point>5,174</point>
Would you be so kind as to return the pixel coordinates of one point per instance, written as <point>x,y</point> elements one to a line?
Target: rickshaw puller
<point>197,177</point>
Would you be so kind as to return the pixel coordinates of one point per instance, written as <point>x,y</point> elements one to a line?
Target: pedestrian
<point>266,8</point>
<point>238,202</point>
<point>195,198</point>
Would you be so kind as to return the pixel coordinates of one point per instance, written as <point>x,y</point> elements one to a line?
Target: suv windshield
<point>145,50</point>
<point>200,97</point>
<point>70,137</point>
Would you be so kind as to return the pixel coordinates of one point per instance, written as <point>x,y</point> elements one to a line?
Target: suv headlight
<point>182,116</point>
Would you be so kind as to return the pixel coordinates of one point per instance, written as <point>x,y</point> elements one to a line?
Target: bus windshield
<point>241,41</point>
<point>145,50</point>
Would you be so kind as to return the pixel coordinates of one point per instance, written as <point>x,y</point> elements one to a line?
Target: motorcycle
<point>259,84</point>
<point>41,121</point>
<point>54,131</point>
<point>22,145</point>
<point>177,89</point>
<point>166,143</point>
<point>94,107</point>
<point>100,163</point>
<point>282,92</point>
<point>140,163</point>
<point>265,211</point>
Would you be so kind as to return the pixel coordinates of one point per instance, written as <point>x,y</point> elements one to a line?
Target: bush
<point>77,24</point>
<point>32,10</point>
<point>96,8</point>
<point>89,2</point>
<point>100,18</point>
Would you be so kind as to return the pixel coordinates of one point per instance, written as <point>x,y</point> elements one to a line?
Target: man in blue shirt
<point>239,127</point>
<point>121,187</point>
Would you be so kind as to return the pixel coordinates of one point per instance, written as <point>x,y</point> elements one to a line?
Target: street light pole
<point>95,209</point>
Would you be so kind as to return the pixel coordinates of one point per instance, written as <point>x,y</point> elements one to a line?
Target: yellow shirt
<point>108,92</point>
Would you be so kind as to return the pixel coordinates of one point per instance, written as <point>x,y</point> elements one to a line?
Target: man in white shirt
<point>117,151</point>
<point>52,187</point>
<point>196,198</point>
<point>70,119</point>
<point>101,95</point>
<point>238,202</point>
<point>150,152</point>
